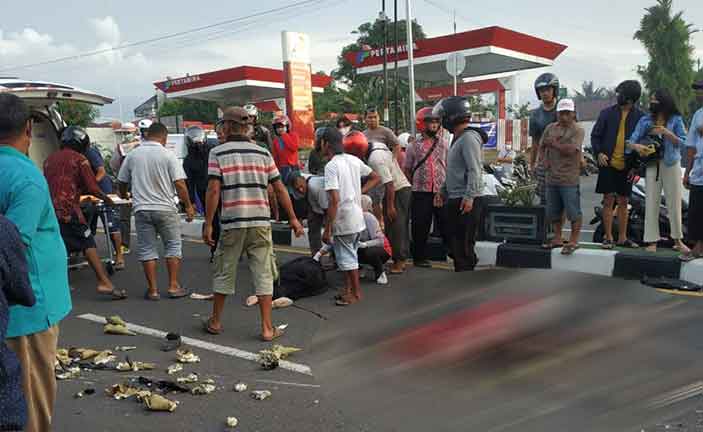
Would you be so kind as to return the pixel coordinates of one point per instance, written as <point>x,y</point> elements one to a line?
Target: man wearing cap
<point>693,178</point>
<point>562,143</point>
<point>240,172</point>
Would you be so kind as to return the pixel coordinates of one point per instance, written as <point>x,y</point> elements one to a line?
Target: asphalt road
<point>616,356</point>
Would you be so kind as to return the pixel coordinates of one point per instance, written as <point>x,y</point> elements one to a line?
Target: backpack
<point>301,277</point>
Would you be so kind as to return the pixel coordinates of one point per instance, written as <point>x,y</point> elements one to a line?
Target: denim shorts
<point>564,198</point>
<point>165,224</point>
<point>345,252</point>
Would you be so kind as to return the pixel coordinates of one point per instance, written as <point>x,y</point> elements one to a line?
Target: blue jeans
<point>167,224</point>
<point>564,198</point>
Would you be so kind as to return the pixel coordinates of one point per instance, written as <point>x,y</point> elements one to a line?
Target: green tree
<point>667,38</point>
<point>77,113</point>
<point>590,92</point>
<point>192,110</point>
<point>520,111</point>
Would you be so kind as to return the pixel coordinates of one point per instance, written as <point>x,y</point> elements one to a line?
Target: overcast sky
<point>597,32</point>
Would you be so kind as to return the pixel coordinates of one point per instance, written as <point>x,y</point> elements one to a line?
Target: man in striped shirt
<point>240,172</point>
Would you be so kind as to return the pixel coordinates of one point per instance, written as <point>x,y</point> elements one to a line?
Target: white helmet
<point>145,124</point>
<point>252,110</point>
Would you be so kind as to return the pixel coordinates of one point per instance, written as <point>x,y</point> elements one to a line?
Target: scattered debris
<point>172,342</point>
<point>124,348</point>
<point>282,327</point>
<point>104,358</point>
<point>82,353</point>
<point>155,402</point>
<point>269,358</point>
<point>124,391</point>
<point>232,422</point>
<point>192,378</point>
<point>208,381</point>
<point>196,296</point>
<point>69,373</point>
<point>240,387</point>
<point>134,366</point>
<point>174,369</point>
<point>118,330</point>
<point>80,394</point>
<point>261,394</point>
<point>62,357</point>
<point>186,356</point>
<point>116,320</point>
<point>163,386</point>
<point>203,389</point>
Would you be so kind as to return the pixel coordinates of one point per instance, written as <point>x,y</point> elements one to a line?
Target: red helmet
<point>355,143</point>
<point>422,114</point>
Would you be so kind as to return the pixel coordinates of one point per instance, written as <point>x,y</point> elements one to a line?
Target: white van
<point>41,98</point>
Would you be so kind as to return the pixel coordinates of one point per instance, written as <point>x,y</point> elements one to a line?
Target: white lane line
<point>220,349</point>
<point>289,383</point>
<point>677,395</point>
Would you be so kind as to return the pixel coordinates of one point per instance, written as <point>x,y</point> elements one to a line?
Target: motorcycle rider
<point>261,134</point>
<point>614,126</point>
<point>547,89</point>
<point>195,166</point>
<point>464,180</point>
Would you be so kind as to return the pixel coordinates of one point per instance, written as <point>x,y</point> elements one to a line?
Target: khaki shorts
<point>254,243</point>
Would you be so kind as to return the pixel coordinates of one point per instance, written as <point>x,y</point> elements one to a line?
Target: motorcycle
<point>590,165</point>
<point>636,216</point>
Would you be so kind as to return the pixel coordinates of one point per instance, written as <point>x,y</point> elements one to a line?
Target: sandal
<point>152,297</point>
<point>628,244</point>
<point>608,244</point>
<point>119,266</point>
<point>569,249</point>
<point>277,332</point>
<point>207,326</point>
<point>182,292</point>
<point>119,294</point>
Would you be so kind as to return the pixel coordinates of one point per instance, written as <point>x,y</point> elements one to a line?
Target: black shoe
<point>172,342</point>
<point>422,264</point>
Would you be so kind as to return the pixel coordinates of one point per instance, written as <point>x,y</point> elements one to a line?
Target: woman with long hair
<point>664,126</point>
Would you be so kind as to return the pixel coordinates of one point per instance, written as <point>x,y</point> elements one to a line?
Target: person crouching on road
<point>312,189</point>
<point>464,180</point>
<point>345,218</point>
<point>374,248</point>
<point>239,172</point>
<point>562,143</point>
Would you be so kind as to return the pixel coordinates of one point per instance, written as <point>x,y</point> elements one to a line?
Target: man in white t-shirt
<point>396,205</point>
<point>345,218</point>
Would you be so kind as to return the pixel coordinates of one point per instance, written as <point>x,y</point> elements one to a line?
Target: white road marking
<point>289,383</point>
<point>677,395</point>
<point>221,349</point>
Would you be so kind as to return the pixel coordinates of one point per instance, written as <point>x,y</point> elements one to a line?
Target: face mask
<point>622,100</point>
<point>431,133</point>
<point>654,108</point>
<point>344,130</point>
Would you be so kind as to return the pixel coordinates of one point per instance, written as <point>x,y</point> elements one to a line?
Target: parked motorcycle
<point>590,165</point>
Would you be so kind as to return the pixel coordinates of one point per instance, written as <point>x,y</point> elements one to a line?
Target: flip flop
<point>628,244</point>
<point>607,245</point>
<point>277,333</point>
<point>182,292</point>
<point>118,266</point>
<point>210,329</point>
<point>119,294</point>
<point>342,302</point>
<point>569,249</point>
<point>152,297</point>
<point>550,246</point>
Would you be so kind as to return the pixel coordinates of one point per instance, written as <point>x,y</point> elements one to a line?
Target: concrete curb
<point>627,265</point>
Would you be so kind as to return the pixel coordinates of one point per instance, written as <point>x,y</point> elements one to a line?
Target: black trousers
<point>315,223</point>
<point>376,257</point>
<point>462,236</point>
<point>423,212</point>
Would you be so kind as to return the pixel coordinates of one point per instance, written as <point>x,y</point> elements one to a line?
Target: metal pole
<point>385,61</point>
<point>395,81</point>
<point>455,62</point>
<point>411,65</point>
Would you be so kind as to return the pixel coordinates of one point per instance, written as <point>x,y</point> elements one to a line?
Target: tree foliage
<point>667,38</point>
<point>519,111</point>
<point>77,113</point>
<point>191,110</point>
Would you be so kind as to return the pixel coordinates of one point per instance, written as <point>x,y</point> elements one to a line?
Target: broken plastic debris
<point>134,366</point>
<point>282,302</point>
<point>82,353</point>
<point>196,296</point>
<point>174,369</point>
<point>155,402</point>
<point>69,373</point>
<point>80,394</point>
<point>240,387</point>
<point>116,320</point>
<point>269,359</point>
<point>104,358</point>
<point>125,348</point>
<point>261,394</point>
<point>203,389</point>
<point>191,378</point>
<point>186,356</point>
<point>118,330</point>
<point>62,357</point>
<point>232,422</point>
<point>123,391</point>
<point>282,327</point>
<point>208,381</point>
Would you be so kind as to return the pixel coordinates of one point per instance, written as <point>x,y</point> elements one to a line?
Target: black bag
<point>639,163</point>
<point>299,278</point>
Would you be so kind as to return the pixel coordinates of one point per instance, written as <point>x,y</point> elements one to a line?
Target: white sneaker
<point>282,302</point>
<point>383,279</point>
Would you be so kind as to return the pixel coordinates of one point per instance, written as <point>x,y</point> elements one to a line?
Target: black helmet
<point>451,110</point>
<point>319,132</point>
<point>628,91</point>
<point>195,135</point>
<point>76,138</point>
<point>547,80</point>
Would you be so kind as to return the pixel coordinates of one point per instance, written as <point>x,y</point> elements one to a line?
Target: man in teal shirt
<point>24,199</point>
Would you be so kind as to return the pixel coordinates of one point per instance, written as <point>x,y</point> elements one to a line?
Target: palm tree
<point>590,92</point>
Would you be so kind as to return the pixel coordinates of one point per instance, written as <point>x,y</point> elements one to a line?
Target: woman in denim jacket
<point>665,121</point>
